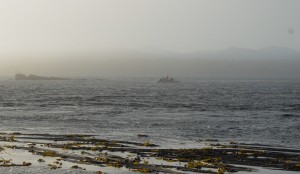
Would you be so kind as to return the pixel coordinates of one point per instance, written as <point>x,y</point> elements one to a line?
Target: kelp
<point>215,159</point>
<point>9,163</point>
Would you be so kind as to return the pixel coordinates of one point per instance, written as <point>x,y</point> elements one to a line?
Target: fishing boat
<point>167,79</point>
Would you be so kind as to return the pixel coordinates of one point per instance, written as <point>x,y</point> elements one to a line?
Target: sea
<point>182,114</point>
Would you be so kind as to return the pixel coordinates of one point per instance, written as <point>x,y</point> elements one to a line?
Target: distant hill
<point>34,77</point>
<point>271,62</point>
<point>234,53</point>
<point>237,63</point>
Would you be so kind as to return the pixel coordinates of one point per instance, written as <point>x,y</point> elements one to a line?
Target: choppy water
<point>266,112</point>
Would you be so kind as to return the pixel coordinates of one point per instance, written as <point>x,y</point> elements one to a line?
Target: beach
<point>76,153</point>
<point>229,120</point>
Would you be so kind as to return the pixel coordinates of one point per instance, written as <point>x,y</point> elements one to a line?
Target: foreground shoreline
<point>87,153</point>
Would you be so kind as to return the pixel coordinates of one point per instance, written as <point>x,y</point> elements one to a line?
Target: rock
<point>35,77</point>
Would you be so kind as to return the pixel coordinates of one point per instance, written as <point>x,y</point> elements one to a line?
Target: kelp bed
<point>145,157</point>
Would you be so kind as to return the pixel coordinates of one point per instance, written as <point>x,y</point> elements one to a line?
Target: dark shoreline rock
<point>35,77</point>
<point>214,159</point>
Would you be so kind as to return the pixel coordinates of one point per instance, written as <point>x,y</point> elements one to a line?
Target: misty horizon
<point>195,38</point>
<point>232,63</point>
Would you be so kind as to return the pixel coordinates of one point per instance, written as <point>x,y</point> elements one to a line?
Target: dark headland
<point>35,77</point>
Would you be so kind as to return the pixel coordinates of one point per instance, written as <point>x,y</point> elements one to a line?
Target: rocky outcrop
<point>35,77</point>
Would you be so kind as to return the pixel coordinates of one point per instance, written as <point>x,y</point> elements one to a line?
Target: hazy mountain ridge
<point>272,52</point>
<point>232,53</point>
<point>271,62</point>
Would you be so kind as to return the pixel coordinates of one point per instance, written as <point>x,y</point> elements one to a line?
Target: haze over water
<point>146,38</point>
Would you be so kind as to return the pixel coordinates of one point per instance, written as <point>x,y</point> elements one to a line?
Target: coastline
<point>85,153</point>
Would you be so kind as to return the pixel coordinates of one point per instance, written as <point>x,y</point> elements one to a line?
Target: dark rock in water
<point>34,77</point>
<point>289,115</point>
<point>212,140</point>
<point>142,135</point>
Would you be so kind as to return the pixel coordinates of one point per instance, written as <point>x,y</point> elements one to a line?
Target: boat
<point>167,79</point>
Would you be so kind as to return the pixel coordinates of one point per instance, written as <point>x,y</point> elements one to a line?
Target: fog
<point>198,38</point>
<point>236,63</point>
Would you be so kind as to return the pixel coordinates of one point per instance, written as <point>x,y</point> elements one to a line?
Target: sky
<point>43,28</point>
<point>62,26</point>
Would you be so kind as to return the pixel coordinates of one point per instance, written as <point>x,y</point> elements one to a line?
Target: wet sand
<point>46,153</point>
